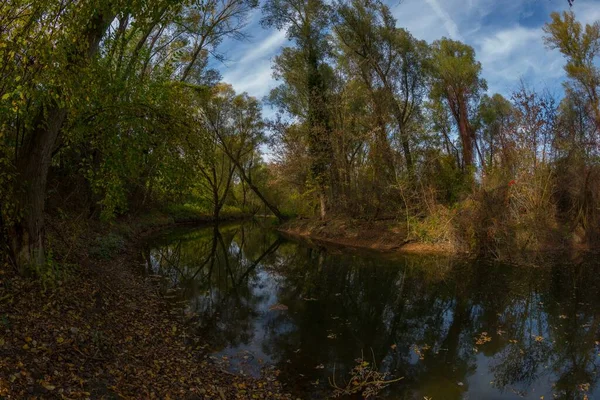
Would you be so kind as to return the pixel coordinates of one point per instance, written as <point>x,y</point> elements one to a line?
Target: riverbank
<point>382,235</point>
<point>92,326</point>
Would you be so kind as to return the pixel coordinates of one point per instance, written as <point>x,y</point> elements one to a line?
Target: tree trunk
<point>398,114</point>
<point>466,134</point>
<point>248,180</point>
<point>27,236</point>
<point>271,207</point>
<point>217,204</point>
<point>323,205</point>
<point>384,149</point>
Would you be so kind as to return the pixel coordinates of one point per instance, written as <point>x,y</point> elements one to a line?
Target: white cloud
<point>256,79</point>
<point>252,72</point>
<point>266,48</point>
<point>447,20</point>
<point>587,12</point>
<point>514,53</point>
<point>419,19</point>
<point>503,43</point>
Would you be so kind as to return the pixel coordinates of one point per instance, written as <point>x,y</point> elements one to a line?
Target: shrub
<point>105,247</point>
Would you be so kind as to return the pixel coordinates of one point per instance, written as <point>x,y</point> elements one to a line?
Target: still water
<point>454,329</point>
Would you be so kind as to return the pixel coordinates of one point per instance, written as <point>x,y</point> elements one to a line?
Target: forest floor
<point>98,329</point>
<point>381,235</point>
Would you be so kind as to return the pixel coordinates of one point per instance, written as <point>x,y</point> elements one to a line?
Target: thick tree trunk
<point>407,153</point>
<point>27,237</point>
<point>384,148</point>
<point>319,145</point>
<point>465,131</point>
<point>399,116</point>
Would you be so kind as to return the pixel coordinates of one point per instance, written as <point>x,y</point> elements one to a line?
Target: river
<point>452,328</point>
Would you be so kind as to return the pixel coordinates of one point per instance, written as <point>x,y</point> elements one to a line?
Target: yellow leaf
<point>60,339</point>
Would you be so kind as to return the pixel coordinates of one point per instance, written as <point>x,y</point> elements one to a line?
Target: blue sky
<point>506,34</point>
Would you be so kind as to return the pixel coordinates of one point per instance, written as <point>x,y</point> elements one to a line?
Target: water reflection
<point>454,329</point>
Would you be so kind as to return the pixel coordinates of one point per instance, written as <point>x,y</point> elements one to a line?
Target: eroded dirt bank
<point>385,235</point>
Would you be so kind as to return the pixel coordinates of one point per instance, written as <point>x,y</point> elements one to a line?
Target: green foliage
<point>458,84</point>
<point>436,227</point>
<point>52,273</point>
<point>107,246</point>
<point>8,208</point>
<point>581,48</point>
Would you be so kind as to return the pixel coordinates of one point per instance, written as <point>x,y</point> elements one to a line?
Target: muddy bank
<point>386,235</point>
<point>93,327</point>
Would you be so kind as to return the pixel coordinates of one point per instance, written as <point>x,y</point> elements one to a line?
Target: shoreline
<point>390,237</point>
<point>369,235</point>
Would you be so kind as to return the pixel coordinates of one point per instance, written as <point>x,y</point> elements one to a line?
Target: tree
<point>306,22</point>
<point>457,82</point>
<point>581,47</point>
<point>36,46</point>
<point>216,167</point>
<point>237,127</point>
<point>202,26</point>
<point>390,62</point>
<point>496,117</point>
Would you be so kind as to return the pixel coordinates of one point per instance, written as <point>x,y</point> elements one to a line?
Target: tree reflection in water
<point>421,317</point>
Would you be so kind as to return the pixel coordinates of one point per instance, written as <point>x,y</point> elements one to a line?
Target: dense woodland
<point>111,108</point>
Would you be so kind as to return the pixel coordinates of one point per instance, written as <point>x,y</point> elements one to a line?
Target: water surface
<point>454,329</point>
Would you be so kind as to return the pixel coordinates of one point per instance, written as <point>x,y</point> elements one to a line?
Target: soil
<point>380,235</point>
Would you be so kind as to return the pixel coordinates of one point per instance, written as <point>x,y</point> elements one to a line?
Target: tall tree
<point>496,116</point>
<point>457,82</point>
<point>390,61</point>
<point>307,23</point>
<point>581,48</point>
<point>51,58</point>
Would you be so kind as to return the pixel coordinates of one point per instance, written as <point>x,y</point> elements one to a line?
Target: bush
<point>105,247</point>
<point>436,227</point>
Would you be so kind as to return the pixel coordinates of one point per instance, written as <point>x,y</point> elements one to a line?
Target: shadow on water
<point>452,328</point>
